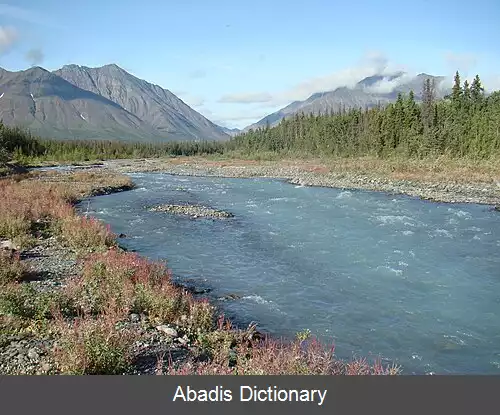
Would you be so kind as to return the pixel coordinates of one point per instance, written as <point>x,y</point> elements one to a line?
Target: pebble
<point>448,192</point>
<point>192,210</point>
<point>169,331</point>
<point>33,354</point>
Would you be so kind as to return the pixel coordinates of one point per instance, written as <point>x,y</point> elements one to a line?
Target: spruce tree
<point>477,90</point>
<point>456,92</point>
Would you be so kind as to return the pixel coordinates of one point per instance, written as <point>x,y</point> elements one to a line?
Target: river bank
<point>450,182</point>
<point>73,302</point>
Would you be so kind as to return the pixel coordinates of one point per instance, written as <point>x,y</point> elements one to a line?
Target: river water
<point>414,282</point>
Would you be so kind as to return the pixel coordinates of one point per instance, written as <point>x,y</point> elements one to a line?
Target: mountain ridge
<point>363,95</point>
<point>66,104</point>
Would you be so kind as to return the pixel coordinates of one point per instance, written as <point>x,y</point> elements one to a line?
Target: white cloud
<point>246,98</point>
<point>8,36</point>
<point>387,85</point>
<point>371,64</point>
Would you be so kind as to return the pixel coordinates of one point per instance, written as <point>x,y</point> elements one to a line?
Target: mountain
<point>367,93</point>
<point>156,106</point>
<point>231,131</point>
<point>54,107</point>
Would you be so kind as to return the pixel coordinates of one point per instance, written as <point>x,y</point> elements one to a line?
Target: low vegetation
<point>89,316</point>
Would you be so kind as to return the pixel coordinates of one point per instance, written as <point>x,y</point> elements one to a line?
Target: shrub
<point>11,268</point>
<point>23,300</point>
<point>86,234</point>
<point>93,346</point>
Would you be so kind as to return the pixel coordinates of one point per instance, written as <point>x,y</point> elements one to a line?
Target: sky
<point>237,61</point>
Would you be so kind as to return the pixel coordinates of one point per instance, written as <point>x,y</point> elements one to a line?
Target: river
<point>414,282</point>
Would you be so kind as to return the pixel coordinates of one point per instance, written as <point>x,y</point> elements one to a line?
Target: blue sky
<point>237,61</point>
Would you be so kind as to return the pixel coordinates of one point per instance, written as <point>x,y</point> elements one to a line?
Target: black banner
<point>249,394</point>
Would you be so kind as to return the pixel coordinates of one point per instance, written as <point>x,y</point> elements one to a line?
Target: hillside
<point>366,94</point>
<point>56,106</point>
<point>156,106</point>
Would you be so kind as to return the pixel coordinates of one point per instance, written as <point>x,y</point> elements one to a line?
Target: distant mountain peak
<point>78,102</point>
<point>156,106</point>
<point>374,90</point>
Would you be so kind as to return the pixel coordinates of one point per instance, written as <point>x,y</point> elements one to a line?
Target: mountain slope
<point>154,105</point>
<point>231,131</point>
<point>52,107</point>
<point>369,92</point>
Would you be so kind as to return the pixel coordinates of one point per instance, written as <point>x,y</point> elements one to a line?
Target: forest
<point>465,124</point>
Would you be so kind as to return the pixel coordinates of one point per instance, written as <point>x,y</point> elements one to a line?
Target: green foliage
<point>94,150</point>
<point>466,125</point>
<point>23,300</point>
<point>303,335</point>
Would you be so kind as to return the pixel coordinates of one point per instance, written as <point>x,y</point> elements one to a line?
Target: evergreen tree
<point>477,90</point>
<point>456,92</point>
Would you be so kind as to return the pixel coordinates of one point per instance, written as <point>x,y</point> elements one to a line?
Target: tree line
<point>466,123</point>
<point>20,145</point>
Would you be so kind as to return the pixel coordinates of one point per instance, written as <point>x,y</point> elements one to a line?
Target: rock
<point>45,367</point>
<point>231,297</point>
<point>497,208</point>
<point>183,341</point>
<point>192,210</point>
<point>8,245</point>
<point>122,235</point>
<point>135,318</point>
<point>33,355</point>
<point>169,331</point>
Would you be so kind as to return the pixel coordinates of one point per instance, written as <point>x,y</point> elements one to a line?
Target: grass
<point>93,346</point>
<point>90,316</point>
<point>11,268</point>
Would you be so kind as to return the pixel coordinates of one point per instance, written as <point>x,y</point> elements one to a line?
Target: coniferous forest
<point>466,124</point>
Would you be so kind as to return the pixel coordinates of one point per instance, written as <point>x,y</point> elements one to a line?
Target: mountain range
<point>77,102</point>
<point>367,93</point>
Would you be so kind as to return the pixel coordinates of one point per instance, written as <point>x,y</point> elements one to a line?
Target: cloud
<point>246,98</point>
<point>8,36</point>
<point>197,74</point>
<point>373,63</point>
<point>26,15</point>
<point>387,85</point>
<point>35,56</point>
<point>463,62</point>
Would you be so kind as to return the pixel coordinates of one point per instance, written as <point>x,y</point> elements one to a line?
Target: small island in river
<point>193,211</point>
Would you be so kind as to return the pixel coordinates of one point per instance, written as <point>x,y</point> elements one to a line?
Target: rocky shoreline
<point>193,211</point>
<point>50,266</point>
<point>448,191</point>
<point>33,305</point>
